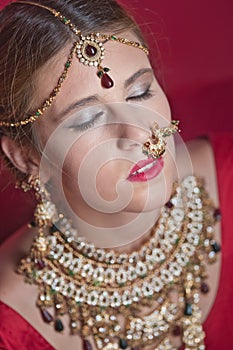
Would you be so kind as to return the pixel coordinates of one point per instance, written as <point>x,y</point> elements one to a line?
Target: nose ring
<point>155,146</point>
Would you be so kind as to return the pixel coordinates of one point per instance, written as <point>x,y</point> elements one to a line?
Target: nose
<point>131,136</point>
<point>131,126</point>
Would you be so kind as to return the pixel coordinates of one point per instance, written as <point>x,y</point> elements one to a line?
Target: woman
<point>118,254</point>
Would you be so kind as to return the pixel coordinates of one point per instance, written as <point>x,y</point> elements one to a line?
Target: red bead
<point>177,330</point>
<point>106,81</point>
<point>91,50</point>
<point>40,264</point>
<point>47,317</point>
<point>86,345</point>
<point>146,144</point>
<point>155,139</point>
<point>169,205</point>
<point>53,94</point>
<point>204,288</point>
<point>217,214</point>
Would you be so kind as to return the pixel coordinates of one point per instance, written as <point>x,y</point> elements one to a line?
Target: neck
<point>123,232</point>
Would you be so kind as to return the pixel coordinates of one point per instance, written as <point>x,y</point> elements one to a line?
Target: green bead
<point>123,344</point>
<point>113,37</point>
<point>38,113</point>
<point>100,74</point>
<point>53,229</point>
<point>68,64</point>
<point>96,283</point>
<point>188,309</point>
<point>58,325</point>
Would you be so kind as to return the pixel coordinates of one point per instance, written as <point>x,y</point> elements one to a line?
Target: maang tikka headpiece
<point>88,49</point>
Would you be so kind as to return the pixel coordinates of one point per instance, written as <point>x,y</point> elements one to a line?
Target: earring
<point>44,215</point>
<point>155,146</point>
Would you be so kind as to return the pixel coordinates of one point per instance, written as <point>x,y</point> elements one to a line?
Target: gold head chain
<point>88,49</point>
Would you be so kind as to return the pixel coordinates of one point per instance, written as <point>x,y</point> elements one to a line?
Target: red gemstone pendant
<point>40,264</point>
<point>47,317</point>
<point>86,345</point>
<point>106,81</point>
<point>91,50</point>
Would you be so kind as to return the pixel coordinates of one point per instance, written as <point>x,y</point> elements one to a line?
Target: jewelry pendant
<point>106,80</point>
<point>86,345</point>
<point>47,317</point>
<point>90,51</point>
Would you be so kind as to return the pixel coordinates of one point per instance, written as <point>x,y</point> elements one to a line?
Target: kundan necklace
<point>104,292</point>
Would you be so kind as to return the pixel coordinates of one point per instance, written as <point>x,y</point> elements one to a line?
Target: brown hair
<point>30,36</point>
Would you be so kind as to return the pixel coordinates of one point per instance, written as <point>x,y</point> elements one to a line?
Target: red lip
<point>148,174</point>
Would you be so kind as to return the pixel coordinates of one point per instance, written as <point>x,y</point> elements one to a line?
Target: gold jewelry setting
<point>88,49</point>
<point>105,293</point>
<point>155,146</point>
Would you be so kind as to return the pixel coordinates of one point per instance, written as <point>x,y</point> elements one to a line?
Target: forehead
<point>82,81</point>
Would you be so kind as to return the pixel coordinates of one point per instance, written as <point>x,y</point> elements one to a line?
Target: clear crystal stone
<point>104,299</point>
<point>115,300</point>
<point>92,298</point>
<point>109,275</point>
<point>121,276</point>
<point>98,274</point>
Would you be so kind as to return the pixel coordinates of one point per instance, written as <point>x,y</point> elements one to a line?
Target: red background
<point>191,42</point>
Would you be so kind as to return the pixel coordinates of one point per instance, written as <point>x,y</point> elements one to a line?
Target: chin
<point>151,195</point>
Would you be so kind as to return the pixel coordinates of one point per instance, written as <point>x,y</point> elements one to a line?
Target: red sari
<point>17,334</point>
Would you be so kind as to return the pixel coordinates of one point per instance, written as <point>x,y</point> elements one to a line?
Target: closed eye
<point>87,124</point>
<point>147,94</point>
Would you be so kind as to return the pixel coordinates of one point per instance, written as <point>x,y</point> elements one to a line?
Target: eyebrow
<point>83,102</point>
<point>94,98</point>
<point>136,75</point>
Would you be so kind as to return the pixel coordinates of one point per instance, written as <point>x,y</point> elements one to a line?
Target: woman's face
<point>92,137</point>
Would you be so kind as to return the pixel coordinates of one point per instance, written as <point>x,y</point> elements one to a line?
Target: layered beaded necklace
<point>104,293</point>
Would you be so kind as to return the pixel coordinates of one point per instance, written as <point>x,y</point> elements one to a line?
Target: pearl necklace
<point>98,287</point>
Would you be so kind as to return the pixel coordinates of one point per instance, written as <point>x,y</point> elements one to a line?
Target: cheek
<point>71,167</point>
<point>89,173</point>
<point>161,105</point>
<point>95,181</point>
<point>111,179</point>
<point>106,181</point>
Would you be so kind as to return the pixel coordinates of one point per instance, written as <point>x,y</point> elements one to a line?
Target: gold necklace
<point>104,293</point>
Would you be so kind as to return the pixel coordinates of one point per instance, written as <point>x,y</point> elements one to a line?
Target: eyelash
<point>87,125</point>
<point>148,93</point>
<point>144,96</point>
